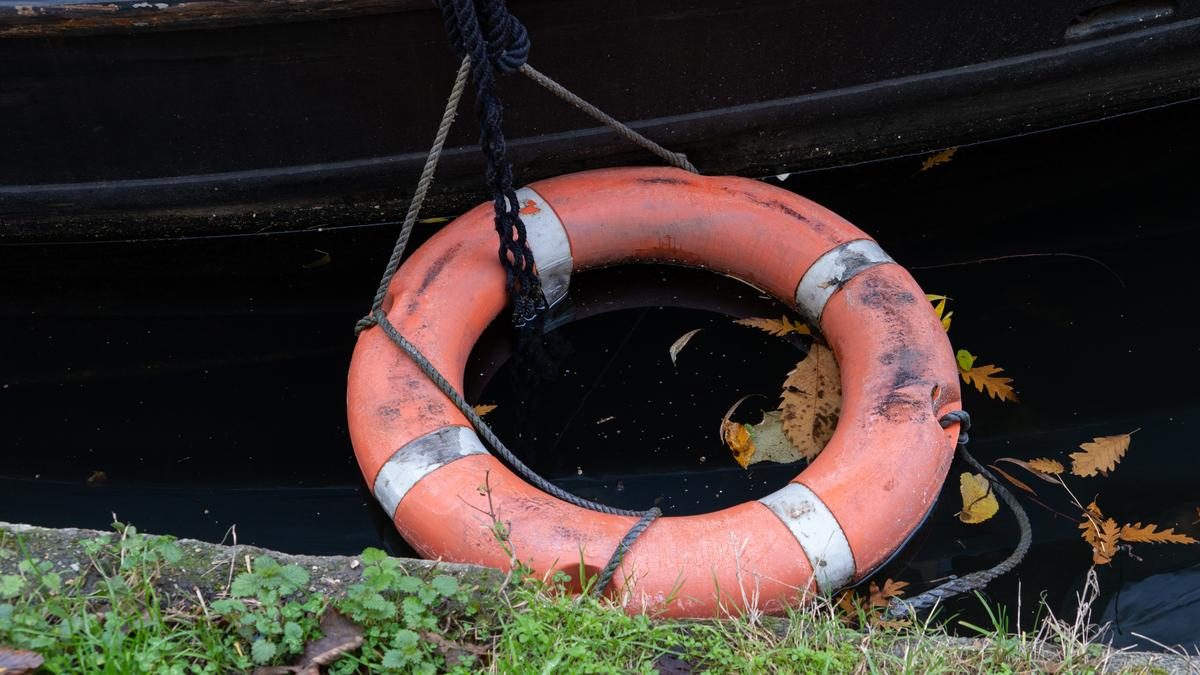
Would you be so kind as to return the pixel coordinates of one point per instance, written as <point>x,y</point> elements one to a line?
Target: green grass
<point>117,615</point>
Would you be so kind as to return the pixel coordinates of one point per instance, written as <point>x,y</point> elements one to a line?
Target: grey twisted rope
<point>676,159</point>
<point>418,199</point>
<point>606,575</point>
<point>377,317</point>
<point>902,608</point>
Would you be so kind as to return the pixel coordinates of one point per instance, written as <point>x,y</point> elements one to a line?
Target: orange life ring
<point>843,516</point>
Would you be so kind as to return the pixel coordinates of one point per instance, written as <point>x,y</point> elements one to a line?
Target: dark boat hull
<point>188,118</point>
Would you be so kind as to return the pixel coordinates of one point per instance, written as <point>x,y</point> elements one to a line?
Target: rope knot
<point>487,32</point>
<point>960,417</point>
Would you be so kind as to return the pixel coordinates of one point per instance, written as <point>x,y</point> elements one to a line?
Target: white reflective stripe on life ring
<point>819,534</point>
<point>419,458</point>
<point>832,270</point>
<point>549,244</point>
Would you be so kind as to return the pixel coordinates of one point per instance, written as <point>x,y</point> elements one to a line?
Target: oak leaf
<point>812,401</point>
<point>678,345</point>
<point>1100,533</point>
<point>935,159</point>
<point>979,504</point>
<point>984,378</point>
<point>1150,534</point>
<point>1100,455</point>
<point>777,327</point>
<point>891,589</point>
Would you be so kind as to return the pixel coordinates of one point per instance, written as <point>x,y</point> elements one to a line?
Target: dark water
<point>205,377</point>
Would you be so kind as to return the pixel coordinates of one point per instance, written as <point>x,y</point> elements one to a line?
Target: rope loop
<point>963,419</point>
<point>486,31</point>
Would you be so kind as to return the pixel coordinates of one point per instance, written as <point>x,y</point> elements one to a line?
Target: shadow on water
<point>205,377</point>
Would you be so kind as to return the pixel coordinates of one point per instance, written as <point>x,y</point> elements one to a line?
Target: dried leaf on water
<point>984,378</point>
<point>938,158</point>
<point>1100,533</point>
<point>482,409</point>
<point>979,504</point>
<point>19,661</point>
<point>1046,469</point>
<point>1100,455</point>
<point>812,401</point>
<point>1150,534</point>
<point>1012,479</point>
<point>777,327</point>
<point>762,442</point>
<point>678,345</point>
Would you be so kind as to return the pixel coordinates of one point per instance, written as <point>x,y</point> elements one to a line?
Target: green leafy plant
<point>261,613</point>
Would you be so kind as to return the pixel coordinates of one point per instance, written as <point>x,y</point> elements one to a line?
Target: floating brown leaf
<point>984,378</point>
<point>942,157</point>
<point>736,436</point>
<point>1044,465</point>
<point>1100,455</point>
<point>1010,478</point>
<point>812,401</point>
<point>1100,533</point>
<point>678,345</point>
<point>482,409</point>
<point>1150,534</point>
<point>777,327</point>
<point>979,504</point>
<point>1046,469</point>
<point>18,661</point>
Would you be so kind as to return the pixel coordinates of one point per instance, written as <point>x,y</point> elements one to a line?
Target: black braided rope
<point>495,40</point>
<point>975,581</point>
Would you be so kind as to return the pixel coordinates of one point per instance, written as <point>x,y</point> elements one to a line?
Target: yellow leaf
<point>984,378</point>
<point>811,401</point>
<point>939,309</point>
<point>482,409</point>
<point>979,504</point>
<point>738,438</point>
<point>777,327</point>
<point>938,158</point>
<point>678,345</point>
<point>1100,455</point>
<point>965,360</point>
<point>1151,535</point>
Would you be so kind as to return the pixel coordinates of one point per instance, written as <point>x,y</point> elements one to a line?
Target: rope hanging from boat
<point>494,40</point>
